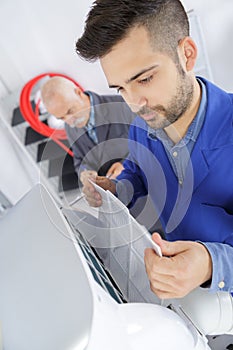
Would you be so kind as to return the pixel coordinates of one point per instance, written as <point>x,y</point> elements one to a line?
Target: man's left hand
<point>114,170</point>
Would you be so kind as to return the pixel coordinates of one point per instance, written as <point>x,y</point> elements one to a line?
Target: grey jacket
<point>112,120</point>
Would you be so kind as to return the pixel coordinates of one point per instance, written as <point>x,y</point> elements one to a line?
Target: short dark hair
<point>109,21</point>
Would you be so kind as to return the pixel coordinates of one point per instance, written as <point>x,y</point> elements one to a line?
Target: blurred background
<point>39,36</point>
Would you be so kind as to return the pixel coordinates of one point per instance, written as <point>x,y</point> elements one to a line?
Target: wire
<point>32,117</point>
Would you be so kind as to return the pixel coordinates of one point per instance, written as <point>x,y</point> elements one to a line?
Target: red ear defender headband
<point>32,117</point>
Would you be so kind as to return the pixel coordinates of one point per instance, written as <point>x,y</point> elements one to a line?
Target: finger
<point>93,202</point>
<point>170,248</point>
<point>92,174</point>
<point>112,176</point>
<point>88,189</point>
<point>167,283</point>
<point>161,286</point>
<point>110,170</point>
<point>93,198</point>
<point>166,286</point>
<point>91,191</point>
<point>109,175</point>
<point>161,281</point>
<point>156,237</point>
<point>88,174</point>
<point>159,265</point>
<point>163,294</point>
<point>91,194</point>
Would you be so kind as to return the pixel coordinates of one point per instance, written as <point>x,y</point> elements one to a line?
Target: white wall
<point>217,25</point>
<point>39,36</point>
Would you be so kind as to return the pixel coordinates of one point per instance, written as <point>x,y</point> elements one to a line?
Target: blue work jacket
<point>201,208</point>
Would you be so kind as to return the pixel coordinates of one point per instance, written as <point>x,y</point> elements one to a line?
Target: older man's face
<point>71,109</point>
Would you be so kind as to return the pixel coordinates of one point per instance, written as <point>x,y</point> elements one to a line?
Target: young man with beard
<point>181,143</point>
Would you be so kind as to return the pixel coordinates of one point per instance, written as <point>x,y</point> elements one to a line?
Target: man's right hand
<point>92,196</point>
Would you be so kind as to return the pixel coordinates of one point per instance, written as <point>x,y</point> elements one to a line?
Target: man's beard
<point>162,117</point>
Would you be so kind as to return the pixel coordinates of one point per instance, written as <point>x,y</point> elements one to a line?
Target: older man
<point>97,126</point>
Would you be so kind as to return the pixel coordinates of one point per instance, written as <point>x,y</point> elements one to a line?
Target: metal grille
<point>98,270</point>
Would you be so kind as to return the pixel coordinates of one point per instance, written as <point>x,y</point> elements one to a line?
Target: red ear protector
<point>32,117</point>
